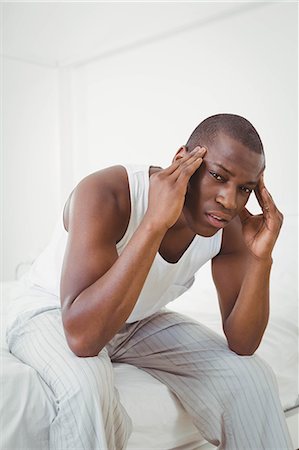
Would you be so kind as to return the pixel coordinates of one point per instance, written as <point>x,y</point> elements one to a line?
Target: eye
<point>246,190</point>
<point>217,176</point>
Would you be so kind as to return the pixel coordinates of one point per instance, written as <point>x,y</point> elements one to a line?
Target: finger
<point>268,203</point>
<point>199,148</point>
<point>186,170</point>
<point>258,191</point>
<point>264,198</point>
<point>181,163</point>
<point>244,214</point>
<point>176,163</point>
<point>196,154</point>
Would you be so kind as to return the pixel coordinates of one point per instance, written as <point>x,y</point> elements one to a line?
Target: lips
<point>217,219</point>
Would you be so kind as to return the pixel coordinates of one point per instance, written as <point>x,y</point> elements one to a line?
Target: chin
<point>201,229</point>
<point>198,224</point>
<point>207,232</point>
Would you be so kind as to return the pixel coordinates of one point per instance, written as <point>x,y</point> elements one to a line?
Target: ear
<point>182,151</point>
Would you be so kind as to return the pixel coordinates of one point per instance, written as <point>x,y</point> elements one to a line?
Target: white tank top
<point>164,283</point>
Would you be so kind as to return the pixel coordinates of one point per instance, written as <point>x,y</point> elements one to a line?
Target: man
<point>136,236</point>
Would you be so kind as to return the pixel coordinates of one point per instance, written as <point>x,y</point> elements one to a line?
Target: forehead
<point>235,157</point>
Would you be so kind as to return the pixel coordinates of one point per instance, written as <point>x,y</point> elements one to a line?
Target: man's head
<point>230,171</point>
<point>232,125</point>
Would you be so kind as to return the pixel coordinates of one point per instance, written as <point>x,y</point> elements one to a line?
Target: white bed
<point>159,422</point>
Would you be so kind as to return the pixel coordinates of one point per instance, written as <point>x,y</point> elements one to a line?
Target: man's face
<point>221,187</point>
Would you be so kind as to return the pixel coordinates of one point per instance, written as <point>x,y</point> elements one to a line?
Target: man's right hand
<point>168,188</point>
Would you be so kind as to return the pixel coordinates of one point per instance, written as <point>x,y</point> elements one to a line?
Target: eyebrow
<point>230,173</point>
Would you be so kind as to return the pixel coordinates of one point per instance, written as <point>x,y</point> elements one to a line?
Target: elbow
<point>81,348</point>
<point>241,348</point>
<point>81,344</point>
<point>239,344</point>
<point>75,346</point>
<point>241,351</point>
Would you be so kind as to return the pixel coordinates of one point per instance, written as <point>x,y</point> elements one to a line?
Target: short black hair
<point>234,126</point>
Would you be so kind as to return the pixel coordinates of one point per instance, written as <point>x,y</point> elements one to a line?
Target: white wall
<point>31,167</point>
<point>140,105</point>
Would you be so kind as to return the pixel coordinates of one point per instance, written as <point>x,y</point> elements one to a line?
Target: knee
<point>90,379</point>
<point>253,376</point>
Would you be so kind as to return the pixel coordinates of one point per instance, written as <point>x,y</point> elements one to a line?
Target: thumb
<point>244,214</point>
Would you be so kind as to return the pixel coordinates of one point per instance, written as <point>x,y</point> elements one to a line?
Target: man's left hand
<point>261,231</point>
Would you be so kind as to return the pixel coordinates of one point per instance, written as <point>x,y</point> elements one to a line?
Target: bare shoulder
<point>102,193</point>
<point>232,239</point>
<point>96,216</point>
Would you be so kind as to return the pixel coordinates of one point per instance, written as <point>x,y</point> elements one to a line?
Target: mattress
<point>159,421</point>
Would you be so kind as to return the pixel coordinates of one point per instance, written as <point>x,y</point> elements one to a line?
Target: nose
<point>227,198</point>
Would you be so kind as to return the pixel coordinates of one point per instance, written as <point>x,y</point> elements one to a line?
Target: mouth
<point>218,220</point>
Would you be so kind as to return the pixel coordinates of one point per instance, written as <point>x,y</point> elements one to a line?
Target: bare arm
<point>243,290</point>
<point>99,289</point>
<point>242,275</point>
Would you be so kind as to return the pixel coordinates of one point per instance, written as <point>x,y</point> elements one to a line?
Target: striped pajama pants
<point>233,400</point>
